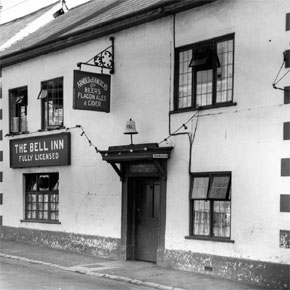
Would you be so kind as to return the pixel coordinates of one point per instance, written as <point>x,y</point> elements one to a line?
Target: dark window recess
<point>1,156</point>
<point>18,110</point>
<point>287,58</point>
<point>210,205</point>
<point>286,95</point>
<point>42,197</point>
<point>285,203</point>
<point>1,198</point>
<point>287,21</point>
<point>285,167</point>
<point>286,131</point>
<point>51,96</point>
<point>1,220</point>
<point>204,74</point>
<point>1,176</point>
<point>1,92</point>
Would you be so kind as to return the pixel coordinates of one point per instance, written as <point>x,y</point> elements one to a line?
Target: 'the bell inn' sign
<point>48,150</point>
<point>91,91</point>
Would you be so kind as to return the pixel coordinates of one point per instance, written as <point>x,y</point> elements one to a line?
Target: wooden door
<point>147,208</point>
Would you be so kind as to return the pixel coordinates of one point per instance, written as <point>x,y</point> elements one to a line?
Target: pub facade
<point>159,135</point>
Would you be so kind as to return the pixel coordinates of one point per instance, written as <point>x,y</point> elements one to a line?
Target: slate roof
<point>9,29</point>
<point>91,20</point>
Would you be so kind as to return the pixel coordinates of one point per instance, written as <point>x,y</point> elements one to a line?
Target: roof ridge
<point>83,20</point>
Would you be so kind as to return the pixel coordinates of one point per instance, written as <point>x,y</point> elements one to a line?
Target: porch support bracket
<point>161,170</point>
<point>116,168</point>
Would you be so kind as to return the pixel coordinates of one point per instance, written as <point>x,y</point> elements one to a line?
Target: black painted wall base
<point>270,275</point>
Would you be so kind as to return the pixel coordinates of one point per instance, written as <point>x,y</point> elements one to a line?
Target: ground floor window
<point>42,197</point>
<point>210,205</point>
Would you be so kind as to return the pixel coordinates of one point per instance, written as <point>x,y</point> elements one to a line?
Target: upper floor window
<point>210,204</point>
<point>51,96</point>
<point>18,110</point>
<point>204,73</point>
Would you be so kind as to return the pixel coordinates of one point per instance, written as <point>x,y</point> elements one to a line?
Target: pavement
<point>135,272</point>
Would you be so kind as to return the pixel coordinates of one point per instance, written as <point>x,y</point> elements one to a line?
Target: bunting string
<point>83,133</point>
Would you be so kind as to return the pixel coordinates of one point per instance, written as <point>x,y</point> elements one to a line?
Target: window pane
<point>43,182</point>
<point>52,103</point>
<point>185,77</point>
<point>18,110</point>
<point>203,62</point>
<point>204,88</point>
<point>54,181</point>
<point>219,187</point>
<point>202,57</point>
<point>201,215</point>
<point>224,71</point>
<point>31,183</point>
<point>221,219</point>
<point>200,187</point>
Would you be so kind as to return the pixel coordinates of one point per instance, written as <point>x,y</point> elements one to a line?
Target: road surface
<point>21,275</point>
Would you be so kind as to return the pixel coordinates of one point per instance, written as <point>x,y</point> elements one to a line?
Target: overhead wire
<point>83,133</point>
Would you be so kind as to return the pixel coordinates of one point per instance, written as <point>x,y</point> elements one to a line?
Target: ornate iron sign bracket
<point>103,60</point>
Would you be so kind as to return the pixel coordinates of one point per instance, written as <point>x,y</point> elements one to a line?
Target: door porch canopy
<point>125,154</point>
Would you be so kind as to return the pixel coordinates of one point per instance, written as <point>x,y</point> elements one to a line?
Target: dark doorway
<point>147,209</point>
<point>143,171</point>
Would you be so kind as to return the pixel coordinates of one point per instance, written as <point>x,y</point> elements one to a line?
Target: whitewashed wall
<point>246,139</point>
<point>90,190</point>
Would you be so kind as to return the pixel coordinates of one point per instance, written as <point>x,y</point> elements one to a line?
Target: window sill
<point>12,134</point>
<point>229,104</point>
<point>41,221</point>
<point>51,129</point>
<point>214,239</point>
<point>40,130</point>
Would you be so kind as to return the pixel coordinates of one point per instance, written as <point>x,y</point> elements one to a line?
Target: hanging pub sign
<point>48,150</point>
<point>91,91</point>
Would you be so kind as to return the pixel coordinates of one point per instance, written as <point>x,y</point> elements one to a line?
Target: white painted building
<point>204,186</point>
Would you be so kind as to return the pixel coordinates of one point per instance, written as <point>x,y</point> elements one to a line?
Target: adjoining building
<point>200,179</point>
